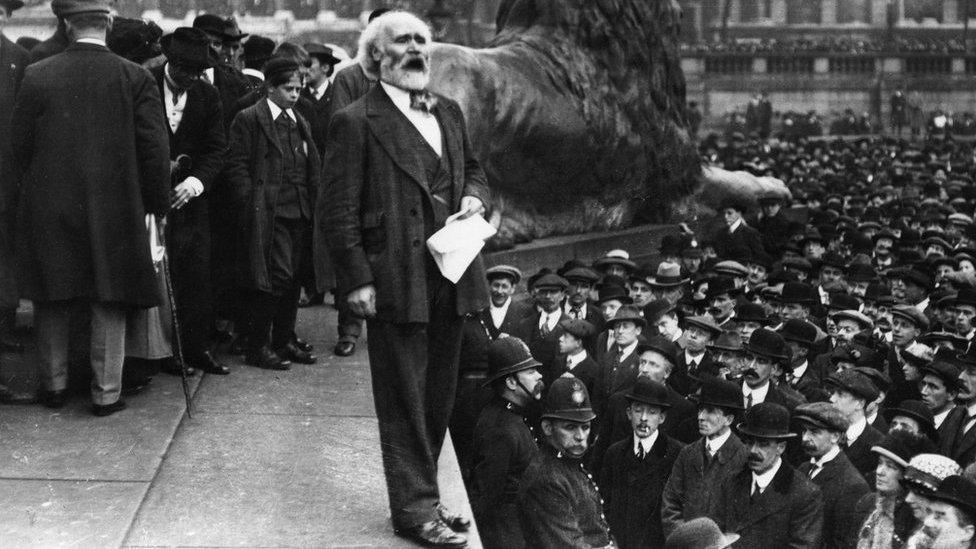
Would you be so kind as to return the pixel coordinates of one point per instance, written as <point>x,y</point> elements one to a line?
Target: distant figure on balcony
<point>915,114</point>
<point>899,111</point>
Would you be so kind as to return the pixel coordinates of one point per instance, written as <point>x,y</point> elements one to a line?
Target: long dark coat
<point>788,514</point>
<point>543,349</point>
<point>692,484</point>
<point>842,487</point>
<point>632,491</point>
<point>13,61</point>
<point>91,156</point>
<point>371,211</point>
<point>958,445</point>
<point>253,169</point>
<point>860,454</point>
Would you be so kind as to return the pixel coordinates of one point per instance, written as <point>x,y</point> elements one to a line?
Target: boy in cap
<point>769,503</point>
<point>634,470</point>
<point>504,442</point>
<point>573,359</point>
<point>842,486</point>
<point>706,464</point>
<point>850,391</point>
<point>559,504</point>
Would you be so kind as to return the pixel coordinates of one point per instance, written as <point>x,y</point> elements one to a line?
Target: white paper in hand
<point>456,245</point>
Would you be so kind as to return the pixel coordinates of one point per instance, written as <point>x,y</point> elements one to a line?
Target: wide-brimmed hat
<point>916,410</point>
<point>615,257</point>
<point>627,313</point>
<point>699,533</point>
<point>648,391</point>
<point>766,420</point>
<point>232,31</point>
<point>668,275</point>
<point>767,343</point>
<point>705,323</point>
<point>822,415</point>
<point>567,399</point>
<point>506,356</point>
<point>188,47</point>
<point>925,472</point>
<point>718,392</point>
<point>503,271</point>
<point>799,331</point>
<point>901,446</point>
<point>959,492</point>
<point>210,24</point>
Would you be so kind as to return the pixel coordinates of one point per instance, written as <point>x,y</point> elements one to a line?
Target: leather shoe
<point>54,399</point>
<point>267,359</point>
<point>453,521</point>
<point>102,410</point>
<point>293,353</point>
<point>345,348</point>
<point>433,533</point>
<point>211,365</point>
<point>172,367</point>
<point>303,345</point>
<point>10,396</point>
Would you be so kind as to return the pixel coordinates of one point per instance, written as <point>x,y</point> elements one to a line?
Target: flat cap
<point>850,314</point>
<point>855,383</point>
<point>550,280</point>
<point>584,274</point>
<point>732,268</point>
<point>578,328</point>
<point>278,65</point>
<point>821,414</point>
<point>911,314</point>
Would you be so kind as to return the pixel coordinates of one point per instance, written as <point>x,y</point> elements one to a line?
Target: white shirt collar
<point>714,445</point>
<point>276,110</point>
<point>319,90</point>
<point>255,73</point>
<point>626,351</point>
<point>550,319</point>
<point>568,308</point>
<point>758,394</point>
<point>693,359</point>
<point>824,459</point>
<point>96,41</point>
<point>209,75</point>
<point>400,97</point>
<point>498,314</point>
<point>573,360</point>
<point>764,479</point>
<point>735,225</point>
<point>939,418</point>
<point>677,336</point>
<point>856,429</point>
<point>647,443</point>
<point>798,371</point>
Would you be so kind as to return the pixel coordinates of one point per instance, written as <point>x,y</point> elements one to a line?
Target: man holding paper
<point>400,166</point>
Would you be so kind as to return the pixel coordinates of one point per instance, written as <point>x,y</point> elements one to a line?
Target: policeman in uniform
<point>504,441</point>
<point>559,504</point>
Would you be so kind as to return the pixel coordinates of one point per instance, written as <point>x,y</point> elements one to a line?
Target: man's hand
<point>181,195</point>
<point>470,205</point>
<point>362,301</point>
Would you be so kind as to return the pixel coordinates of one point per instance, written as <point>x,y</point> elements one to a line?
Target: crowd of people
<point>797,374</point>
<point>828,44</point>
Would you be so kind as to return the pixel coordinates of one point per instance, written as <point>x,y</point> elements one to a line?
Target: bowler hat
<point>584,274</point>
<point>766,420</point>
<point>720,285</point>
<point>718,392</point>
<point>860,272</point>
<point>751,312</point>
<point>959,492</point>
<point>767,343</point>
<point>232,32</point>
<point>506,356</point>
<point>578,328</point>
<point>833,259</point>
<point>500,271</point>
<point>917,410</point>
<point>821,414</point>
<point>855,383</point>
<point>657,308</point>
<point>947,371</point>
<point>660,346</point>
<point>210,24</point>
<point>189,48</point>
<point>648,391</point>
<point>911,314</point>
<point>901,446</point>
<point>627,313</point>
<point>324,53</point>
<point>799,292</point>
<point>257,50</point>
<point>568,400</point>
<point>966,296</point>
<point>841,301</point>
<point>730,340</point>
<point>66,8</point>
<point>705,323</point>
<point>699,533</point>
<point>613,292</point>
<point>799,331</point>
<point>668,275</point>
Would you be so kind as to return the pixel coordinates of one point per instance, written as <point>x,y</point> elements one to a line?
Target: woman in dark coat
<point>273,167</point>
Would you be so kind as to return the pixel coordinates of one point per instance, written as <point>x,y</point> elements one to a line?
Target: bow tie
<point>422,100</point>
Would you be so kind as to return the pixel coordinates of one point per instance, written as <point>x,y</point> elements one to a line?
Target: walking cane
<point>178,167</point>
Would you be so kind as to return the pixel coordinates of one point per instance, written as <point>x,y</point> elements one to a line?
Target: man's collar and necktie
<point>642,446</point>
<point>751,396</point>
<point>761,482</point>
<point>817,465</point>
<point>419,100</point>
<point>276,111</point>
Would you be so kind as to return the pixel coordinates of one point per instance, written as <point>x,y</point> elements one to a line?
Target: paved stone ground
<point>269,459</point>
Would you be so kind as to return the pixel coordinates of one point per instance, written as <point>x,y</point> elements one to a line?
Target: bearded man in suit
<point>403,166</point>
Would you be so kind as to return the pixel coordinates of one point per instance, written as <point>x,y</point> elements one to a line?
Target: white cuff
<point>196,186</point>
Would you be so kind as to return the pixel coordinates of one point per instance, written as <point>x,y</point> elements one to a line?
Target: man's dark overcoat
<point>375,232</point>
<point>842,487</point>
<point>254,170</point>
<point>13,61</point>
<point>91,159</point>
<point>789,513</point>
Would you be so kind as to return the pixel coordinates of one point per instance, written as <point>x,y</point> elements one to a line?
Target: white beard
<point>402,78</point>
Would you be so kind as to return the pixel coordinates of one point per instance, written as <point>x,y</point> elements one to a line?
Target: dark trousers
<point>276,312</point>
<point>350,326</point>
<point>414,367</point>
<point>470,400</point>
<point>188,244</point>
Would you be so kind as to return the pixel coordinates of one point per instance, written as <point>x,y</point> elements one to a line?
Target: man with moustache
<point>769,504</point>
<point>375,219</point>
<point>842,486</point>
<point>764,351</point>
<point>668,283</point>
<point>699,332</point>
<point>706,464</point>
<point>850,391</point>
<point>806,377</point>
<point>581,281</point>
<point>505,442</point>
<point>635,470</point>
<point>720,296</point>
<point>541,329</point>
<point>559,503</point>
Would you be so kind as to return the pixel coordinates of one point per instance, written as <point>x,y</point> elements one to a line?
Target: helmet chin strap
<point>524,388</point>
